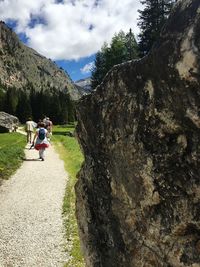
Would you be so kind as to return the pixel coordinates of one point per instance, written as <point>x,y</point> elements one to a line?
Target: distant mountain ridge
<point>84,85</point>
<point>21,66</point>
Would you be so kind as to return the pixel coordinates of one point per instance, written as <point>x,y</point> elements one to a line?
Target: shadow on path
<point>31,159</point>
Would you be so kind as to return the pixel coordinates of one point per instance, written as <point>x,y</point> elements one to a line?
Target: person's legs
<point>41,153</point>
<point>29,136</point>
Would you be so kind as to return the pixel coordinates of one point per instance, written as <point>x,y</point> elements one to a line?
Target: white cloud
<point>87,68</point>
<point>70,29</point>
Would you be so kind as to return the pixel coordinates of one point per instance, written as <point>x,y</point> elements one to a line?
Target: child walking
<point>41,140</point>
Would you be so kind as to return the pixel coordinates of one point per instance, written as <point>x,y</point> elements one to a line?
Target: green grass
<point>11,153</point>
<point>69,151</point>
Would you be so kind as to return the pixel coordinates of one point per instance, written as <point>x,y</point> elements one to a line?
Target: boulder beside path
<point>138,192</point>
<point>8,122</point>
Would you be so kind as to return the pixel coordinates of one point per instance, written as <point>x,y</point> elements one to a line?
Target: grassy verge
<point>70,153</point>
<point>11,153</point>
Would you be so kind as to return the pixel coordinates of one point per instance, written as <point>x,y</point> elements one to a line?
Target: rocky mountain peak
<point>84,85</point>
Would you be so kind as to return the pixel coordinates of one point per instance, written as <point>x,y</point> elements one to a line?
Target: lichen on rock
<point>138,192</point>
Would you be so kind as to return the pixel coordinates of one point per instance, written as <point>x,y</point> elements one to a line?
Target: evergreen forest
<point>26,103</point>
<point>125,46</point>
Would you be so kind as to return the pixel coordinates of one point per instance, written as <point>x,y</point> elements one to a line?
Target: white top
<point>30,126</point>
<point>38,141</point>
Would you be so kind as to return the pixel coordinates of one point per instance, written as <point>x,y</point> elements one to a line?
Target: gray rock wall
<point>138,193</point>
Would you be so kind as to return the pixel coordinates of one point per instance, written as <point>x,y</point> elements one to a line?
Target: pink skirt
<point>41,146</point>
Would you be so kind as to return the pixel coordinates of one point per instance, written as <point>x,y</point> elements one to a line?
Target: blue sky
<point>69,32</point>
<point>75,67</point>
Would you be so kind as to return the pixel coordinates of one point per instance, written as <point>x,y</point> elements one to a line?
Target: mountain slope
<point>21,66</point>
<point>85,84</point>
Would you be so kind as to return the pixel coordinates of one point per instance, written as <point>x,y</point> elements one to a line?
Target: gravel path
<point>31,229</point>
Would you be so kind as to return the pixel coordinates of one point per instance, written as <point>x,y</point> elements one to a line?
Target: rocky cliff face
<point>138,194</point>
<point>21,65</point>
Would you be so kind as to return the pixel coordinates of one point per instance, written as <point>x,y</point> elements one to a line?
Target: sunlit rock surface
<point>8,122</point>
<point>138,194</point>
<point>22,67</point>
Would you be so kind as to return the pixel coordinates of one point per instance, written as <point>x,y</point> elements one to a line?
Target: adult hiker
<point>38,123</point>
<point>41,140</point>
<point>30,125</point>
<point>48,125</point>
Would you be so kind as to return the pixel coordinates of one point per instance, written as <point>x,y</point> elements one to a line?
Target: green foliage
<point>68,109</point>
<point>11,100</point>
<point>132,49</point>
<point>99,70</point>
<point>23,110</point>
<point>11,153</point>
<point>123,47</point>
<point>151,21</point>
<point>2,98</point>
<point>62,108</point>
<point>26,102</point>
<point>69,151</point>
<point>56,105</point>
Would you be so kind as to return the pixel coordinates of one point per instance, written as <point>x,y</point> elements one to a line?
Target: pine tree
<point>118,49</point>
<point>151,21</point>
<point>23,110</point>
<point>64,107</point>
<point>98,71</point>
<point>70,109</point>
<point>34,105</point>
<point>131,46</point>
<point>56,110</point>
<point>27,102</point>
<point>123,47</point>
<point>2,99</point>
<point>11,100</point>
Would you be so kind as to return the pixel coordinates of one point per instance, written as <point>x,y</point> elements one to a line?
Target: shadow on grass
<point>66,133</point>
<point>71,125</point>
<point>59,133</point>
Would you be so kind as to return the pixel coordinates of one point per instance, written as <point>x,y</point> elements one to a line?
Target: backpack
<point>41,134</point>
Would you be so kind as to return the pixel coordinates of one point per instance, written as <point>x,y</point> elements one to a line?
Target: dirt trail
<point>31,226</point>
